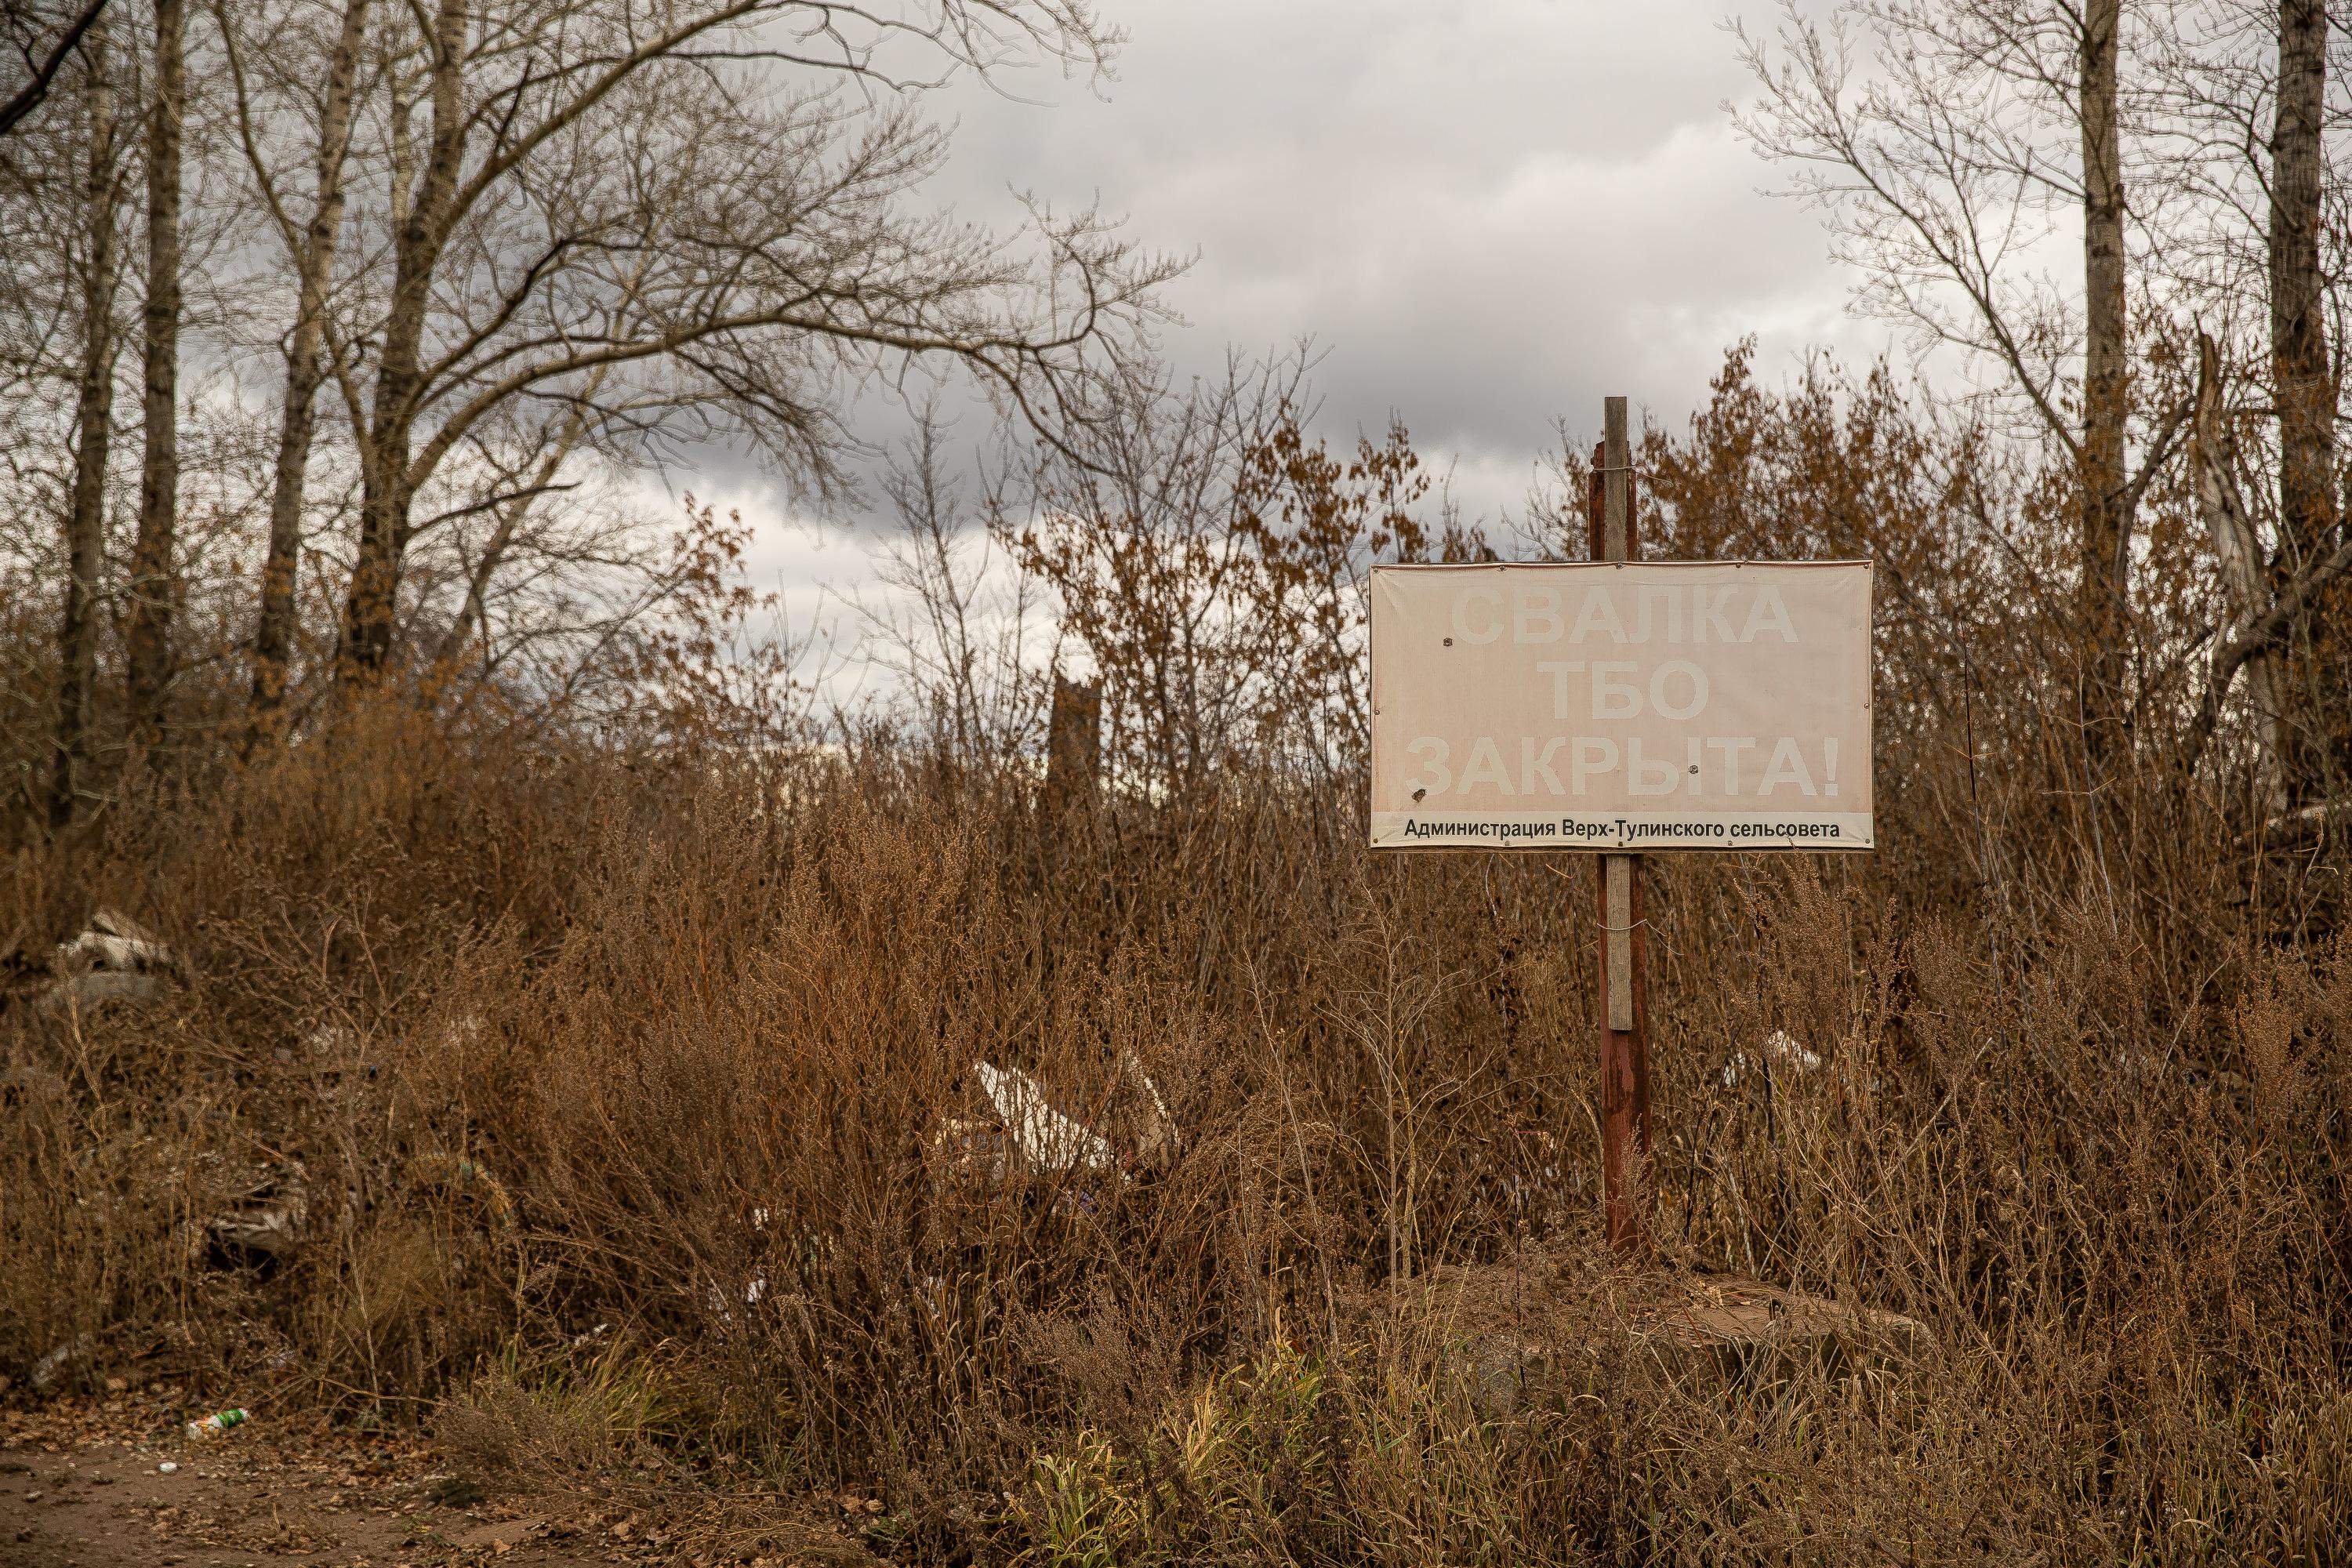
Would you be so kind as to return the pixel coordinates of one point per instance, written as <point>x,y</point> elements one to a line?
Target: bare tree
<point>42,38</point>
<point>514,501</point>
<point>616,209</point>
<point>2305,381</point>
<point>1137,536</point>
<point>2214,474</point>
<point>93,423</point>
<point>1213,558</point>
<point>154,577</point>
<point>2252,100</point>
<point>2243,113</point>
<point>2302,375</point>
<point>957,626</point>
<point>311,245</point>
<point>2106,527</point>
<point>1944,169</point>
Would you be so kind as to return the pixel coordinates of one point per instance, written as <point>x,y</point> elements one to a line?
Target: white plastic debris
<point>116,960</point>
<point>1781,1054</point>
<point>1045,1137</point>
<point>754,1292</point>
<point>168,1468</point>
<point>268,1220</point>
<point>52,1366</point>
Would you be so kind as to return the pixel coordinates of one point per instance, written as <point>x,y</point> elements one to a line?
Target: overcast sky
<point>1489,215</point>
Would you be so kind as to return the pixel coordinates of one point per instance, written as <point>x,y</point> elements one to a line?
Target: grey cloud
<point>1489,215</point>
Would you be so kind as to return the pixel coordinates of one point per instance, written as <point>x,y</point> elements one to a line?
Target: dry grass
<point>618,1076</point>
<point>700,1026</point>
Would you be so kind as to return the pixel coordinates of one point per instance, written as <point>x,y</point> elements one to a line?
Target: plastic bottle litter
<point>214,1426</point>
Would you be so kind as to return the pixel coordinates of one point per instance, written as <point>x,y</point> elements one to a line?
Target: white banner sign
<point>1622,706</point>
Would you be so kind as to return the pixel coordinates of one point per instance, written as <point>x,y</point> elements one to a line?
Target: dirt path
<point>115,1483</point>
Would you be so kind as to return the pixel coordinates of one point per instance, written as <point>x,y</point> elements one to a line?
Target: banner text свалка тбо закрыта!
<point>1635,706</point>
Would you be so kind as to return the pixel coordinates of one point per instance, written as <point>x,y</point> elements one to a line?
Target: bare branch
<point>44,71</point>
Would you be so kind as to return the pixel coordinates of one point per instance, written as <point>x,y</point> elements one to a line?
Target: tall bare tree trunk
<point>2304,385</point>
<point>273,636</point>
<point>2104,605</point>
<point>372,606</point>
<point>154,576</point>
<point>93,419</point>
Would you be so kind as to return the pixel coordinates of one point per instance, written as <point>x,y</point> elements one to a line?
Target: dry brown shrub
<point>626,1081</point>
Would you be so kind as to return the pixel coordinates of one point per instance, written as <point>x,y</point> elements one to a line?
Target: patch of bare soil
<point>116,1483</point>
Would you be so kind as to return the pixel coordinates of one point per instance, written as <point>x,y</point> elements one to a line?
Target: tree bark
<point>93,419</point>
<point>2304,384</point>
<point>371,606</point>
<point>2104,588</point>
<point>273,636</point>
<point>154,577</point>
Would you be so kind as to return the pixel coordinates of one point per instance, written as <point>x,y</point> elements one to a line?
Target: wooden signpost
<point>1624,969</point>
<point>1617,706</point>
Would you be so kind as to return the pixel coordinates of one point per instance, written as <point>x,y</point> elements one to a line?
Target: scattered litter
<point>115,960</point>
<point>976,1149</point>
<point>1781,1054</point>
<point>752,1294</point>
<point>52,1366</point>
<point>1151,1130</point>
<point>268,1220</point>
<point>1044,1137</point>
<point>1044,1142</point>
<point>215,1424</point>
<point>168,1468</point>
<point>468,1176</point>
<point>591,1336</point>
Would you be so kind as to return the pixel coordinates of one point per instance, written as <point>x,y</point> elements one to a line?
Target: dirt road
<point>113,1482</point>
